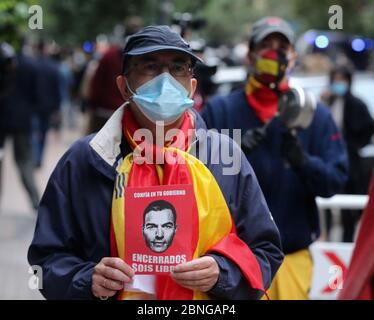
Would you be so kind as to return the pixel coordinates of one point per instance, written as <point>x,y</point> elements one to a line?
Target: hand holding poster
<point>158,228</point>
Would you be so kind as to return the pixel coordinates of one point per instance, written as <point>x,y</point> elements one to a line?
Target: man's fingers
<point>197,264</point>
<point>115,274</point>
<point>111,273</point>
<point>118,263</point>
<point>109,284</point>
<point>99,291</point>
<point>109,276</point>
<point>194,283</point>
<point>192,275</point>
<point>200,274</point>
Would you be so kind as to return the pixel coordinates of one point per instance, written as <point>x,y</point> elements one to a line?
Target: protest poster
<point>158,228</point>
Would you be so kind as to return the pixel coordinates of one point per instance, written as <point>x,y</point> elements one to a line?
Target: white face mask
<point>162,99</point>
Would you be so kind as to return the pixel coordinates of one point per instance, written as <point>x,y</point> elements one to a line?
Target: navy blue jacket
<point>19,104</point>
<point>48,84</point>
<point>290,194</point>
<point>72,231</point>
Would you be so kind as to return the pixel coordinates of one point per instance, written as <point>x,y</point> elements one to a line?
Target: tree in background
<point>73,21</point>
<point>228,21</point>
<point>14,20</point>
<point>358,15</point>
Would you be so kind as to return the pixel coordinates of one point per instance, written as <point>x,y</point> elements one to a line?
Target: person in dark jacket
<point>48,82</point>
<point>17,106</point>
<point>292,170</point>
<point>79,239</point>
<point>353,118</point>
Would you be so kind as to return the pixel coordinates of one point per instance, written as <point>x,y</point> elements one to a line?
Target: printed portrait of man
<point>159,225</point>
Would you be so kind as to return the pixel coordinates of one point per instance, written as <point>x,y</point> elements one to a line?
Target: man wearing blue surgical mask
<point>160,86</point>
<point>80,236</point>
<point>353,118</point>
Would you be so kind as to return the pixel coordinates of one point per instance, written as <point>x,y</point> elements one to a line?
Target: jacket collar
<point>106,143</point>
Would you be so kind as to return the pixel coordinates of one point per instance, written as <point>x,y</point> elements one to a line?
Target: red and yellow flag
<point>213,227</point>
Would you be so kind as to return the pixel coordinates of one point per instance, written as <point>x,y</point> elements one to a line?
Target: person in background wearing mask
<point>79,238</point>
<point>49,97</point>
<point>292,170</point>
<point>18,102</point>
<point>353,118</point>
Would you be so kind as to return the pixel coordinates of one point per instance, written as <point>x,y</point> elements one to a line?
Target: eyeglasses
<point>153,69</point>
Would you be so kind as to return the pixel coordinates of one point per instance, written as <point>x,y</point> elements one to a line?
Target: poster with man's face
<point>158,227</point>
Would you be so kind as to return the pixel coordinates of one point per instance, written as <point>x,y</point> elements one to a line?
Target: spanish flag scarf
<point>214,229</point>
<point>270,68</point>
<point>262,99</point>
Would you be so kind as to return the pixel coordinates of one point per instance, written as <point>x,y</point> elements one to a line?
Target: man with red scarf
<point>80,240</point>
<point>292,170</point>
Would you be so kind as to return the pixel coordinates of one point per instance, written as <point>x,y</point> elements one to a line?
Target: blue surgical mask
<point>339,88</point>
<point>162,99</point>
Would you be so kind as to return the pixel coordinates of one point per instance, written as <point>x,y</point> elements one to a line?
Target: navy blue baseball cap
<point>157,38</point>
<point>268,25</point>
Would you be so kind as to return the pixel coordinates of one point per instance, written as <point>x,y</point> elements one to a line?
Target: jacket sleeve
<point>326,170</point>
<point>55,244</point>
<point>256,227</point>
